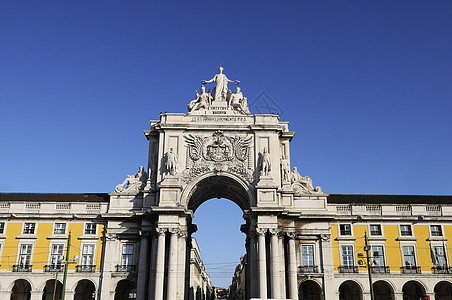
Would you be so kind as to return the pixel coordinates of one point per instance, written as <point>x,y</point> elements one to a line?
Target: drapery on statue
<point>304,182</point>
<point>134,182</point>
<point>171,162</point>
<point>221,89</point>
<point>203,100</point>
<point>266,165</point>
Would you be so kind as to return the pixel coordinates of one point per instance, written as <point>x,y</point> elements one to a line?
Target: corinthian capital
<point>261,231</point>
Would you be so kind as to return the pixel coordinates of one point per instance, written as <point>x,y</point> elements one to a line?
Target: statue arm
<point>208,81</point>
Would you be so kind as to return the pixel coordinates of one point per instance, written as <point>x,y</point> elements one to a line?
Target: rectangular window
<point>375,229</point>
<point>405,230</point>
<point>439,257</point>
<point>345,229</point>
<point>29,228</point>
<point>436,230</point>
<point>2,227</point>
<point>127,255</point>
<point>56,256</point>
<point>90,228</point>
<point>378,259</point>
<point>308,255</point>
<point>409,256</point>
<point>347,256</point>
<point>59,228</point>
<point>88,255</point>
<point>25,256</point>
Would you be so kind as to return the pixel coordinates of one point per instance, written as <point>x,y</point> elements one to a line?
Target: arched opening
<point>21,290</point>
<point>125,290</point>
<point>443,290</point>
<point>221,249</point>
<point>413,290</point>
<point>309,290</point>
<point>350,290</point>
<point>50,289</point>
<point>85,290</point>
<point>383,291</point>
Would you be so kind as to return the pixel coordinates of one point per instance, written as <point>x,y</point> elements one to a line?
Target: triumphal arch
<point>218,149</point>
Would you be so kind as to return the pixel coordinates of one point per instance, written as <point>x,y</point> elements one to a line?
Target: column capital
<point>274,231</point>
<point>160,230</point>
<point>291,235</point>
<point>183,233</point>
<point>174,230</point>
<point>261,231</point>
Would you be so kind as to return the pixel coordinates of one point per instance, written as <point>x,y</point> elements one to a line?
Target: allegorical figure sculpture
<point>266,165</point>
<point>171,162</point>
<point>221,89</point>
<point>202,100</point>
<point>135,182</point>
<point>305,183</point>
<point>285,170</point>
<point>239,102</point>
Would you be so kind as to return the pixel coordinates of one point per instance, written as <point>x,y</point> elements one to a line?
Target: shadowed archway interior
<point>219,187</point>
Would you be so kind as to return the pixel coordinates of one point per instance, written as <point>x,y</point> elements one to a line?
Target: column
<point>282,265</point>
<point>171,291</point>
<point>262,259</point>
<point>181,260</point>
<point>253,262</point>
<point>159,264</point>
<point>152,266</point>
<point>142,266</point>
<point>274,263</point>
<point>36,295</point>
<point>292,272</point>
<point>398,296</point>
<point>71,295</point>
<point>109,263</point>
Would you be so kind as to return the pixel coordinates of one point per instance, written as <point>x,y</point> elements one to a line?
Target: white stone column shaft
<point>160,265</point>
<point>262,259</point>
<point>253,262</point>
<point>274,262</point>
<point>142,266</point>
<point>152,267</point>
<point>181,261</point>
<point>110,260</point>
<point>282,266</point>
<point>292,272</point>
<point>171,291</point>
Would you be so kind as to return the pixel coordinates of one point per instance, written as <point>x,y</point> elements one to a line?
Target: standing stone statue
<point>171,162</point>
<point>221,89</point>
<point>266,165</point>
<point>285,170</point>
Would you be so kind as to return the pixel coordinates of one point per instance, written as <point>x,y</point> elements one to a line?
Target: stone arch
<point>218,185</point>
<point>350,290</point>
<point>85,289</point>
<point>125,290</point>
<point>309,289</point>
<point>20,289</point>
<point>413,290</point>
<point>48,287</point>
<point>443,290</point>
<point>383,290</point>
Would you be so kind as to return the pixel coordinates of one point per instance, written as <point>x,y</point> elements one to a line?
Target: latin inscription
<point>214,119</point>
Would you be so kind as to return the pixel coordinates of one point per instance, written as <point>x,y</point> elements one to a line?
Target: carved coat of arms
<point>218,152</point>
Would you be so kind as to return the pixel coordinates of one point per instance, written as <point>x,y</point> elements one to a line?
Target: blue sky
<point>366,86</point>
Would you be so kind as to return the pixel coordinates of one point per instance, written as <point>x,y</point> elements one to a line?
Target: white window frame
<point>81,253</point>
<point>345,235</point>
<point>55,228</point>
<point>19,247</point>
<point>133,253</point>
<point>385,262</point>
<point>352,255</point>
<point>34,228</point>
<point>313,255</point>
<point>400,230</point>
<point>440,227</point>
<point>375,235</point>
<point>4,228</point>
<point>415,254</point>
<point>49,261</point>
<point>85,228</point>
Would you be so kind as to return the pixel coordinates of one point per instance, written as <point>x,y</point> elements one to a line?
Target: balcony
<point>53,268</point>
<point>86,268</point>
<point>441,270</point>
<point>22,268</point>
<point>348,269</point>
<point>126,268</point>
<point>411,270</point>
<point>308,269</point>
<point>379,269</point>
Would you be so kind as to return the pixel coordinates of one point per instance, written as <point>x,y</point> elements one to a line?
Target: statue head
<point>237,90</point>
<point>220,69</point>
<point>203,89</point>
<point>265,150</point>
<point>294,169</point>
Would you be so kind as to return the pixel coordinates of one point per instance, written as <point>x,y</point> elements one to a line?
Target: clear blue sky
<point>366,86</point>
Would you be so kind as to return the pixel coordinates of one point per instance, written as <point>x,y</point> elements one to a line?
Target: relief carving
<point>217,152</point>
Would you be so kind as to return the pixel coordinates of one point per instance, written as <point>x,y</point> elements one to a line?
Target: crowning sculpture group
<point>219,147</point>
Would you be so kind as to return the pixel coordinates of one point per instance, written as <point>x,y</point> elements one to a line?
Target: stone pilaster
<point>108,264</point>
<point>171,291</point>
<point>292,263</point>
<point>160,264</point>
<point>274,264</point>
<point>253,263</point>
<point>181,264</point>
<point>262,259</point>
<point>143,266</point>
